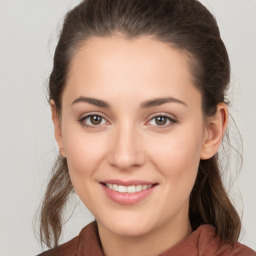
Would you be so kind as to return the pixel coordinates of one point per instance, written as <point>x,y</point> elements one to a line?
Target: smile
<point>128,192</point>
<point>128,189</point>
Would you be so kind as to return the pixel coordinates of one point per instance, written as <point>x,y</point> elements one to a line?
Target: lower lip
<point>127,198</point>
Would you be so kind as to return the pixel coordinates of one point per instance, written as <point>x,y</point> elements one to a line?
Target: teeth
<point>138,188</point>
<point>115,187</point>
<point>131,189</point>
<point>122,189</point>
<point>128,189</point>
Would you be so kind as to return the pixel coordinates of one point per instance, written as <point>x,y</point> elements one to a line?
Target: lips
<point>127,192</point>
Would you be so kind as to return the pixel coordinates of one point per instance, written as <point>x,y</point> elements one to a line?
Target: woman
<point>137,94</point>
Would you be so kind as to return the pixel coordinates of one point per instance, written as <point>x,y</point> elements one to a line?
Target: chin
<point>129,226</point>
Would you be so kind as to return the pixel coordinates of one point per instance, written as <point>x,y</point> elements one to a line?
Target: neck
<point>150,244</point>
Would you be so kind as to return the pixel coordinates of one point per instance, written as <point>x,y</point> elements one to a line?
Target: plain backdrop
<point>28,36</point>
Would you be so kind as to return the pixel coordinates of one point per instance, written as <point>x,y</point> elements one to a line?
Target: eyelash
<point>170,119</point>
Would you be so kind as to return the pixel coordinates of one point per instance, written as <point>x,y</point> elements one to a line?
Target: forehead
<point>143,66</point>
<point>106,52</point>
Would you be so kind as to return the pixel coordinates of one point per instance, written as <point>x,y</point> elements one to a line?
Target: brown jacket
<point>202,242</point>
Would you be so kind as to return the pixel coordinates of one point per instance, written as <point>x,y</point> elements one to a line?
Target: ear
<point>57,128</point>
<point>215,129</point>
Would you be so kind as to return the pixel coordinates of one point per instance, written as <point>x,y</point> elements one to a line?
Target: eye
<point>92,121</point>
<point>162,121</point>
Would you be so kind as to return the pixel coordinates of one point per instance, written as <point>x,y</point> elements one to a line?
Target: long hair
<point>184,24</point>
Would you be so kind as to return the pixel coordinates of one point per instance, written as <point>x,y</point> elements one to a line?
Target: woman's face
<point>132,118</point>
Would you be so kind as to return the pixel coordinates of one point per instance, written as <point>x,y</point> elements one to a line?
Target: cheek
<point>178,157</point>
<point>84,150</point>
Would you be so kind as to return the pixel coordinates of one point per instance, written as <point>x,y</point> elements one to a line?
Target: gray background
<point>28,31</point>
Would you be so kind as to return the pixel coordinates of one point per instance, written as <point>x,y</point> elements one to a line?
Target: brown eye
<point>161,120</point>
<point>92,121</point>
<point>95,120</point>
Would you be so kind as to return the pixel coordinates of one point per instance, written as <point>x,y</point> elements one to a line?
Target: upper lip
<point>128,182</point>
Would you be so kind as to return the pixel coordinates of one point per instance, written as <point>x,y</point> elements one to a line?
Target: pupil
<point>96,120</point>
<point>161,120</point>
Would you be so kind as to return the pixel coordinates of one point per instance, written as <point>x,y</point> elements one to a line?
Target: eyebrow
<point>93,101</point>
<point>145,104</point>
<point>160,101</point>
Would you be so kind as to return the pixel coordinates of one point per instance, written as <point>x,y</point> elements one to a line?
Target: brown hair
<point>184,24</point>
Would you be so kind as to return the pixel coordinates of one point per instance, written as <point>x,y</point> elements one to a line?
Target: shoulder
<point>241,250</point>
<point>71,247</point>
<point>68,248</point>
<point>236,249</point>
<point>209,244</point>
<point>203,241</point>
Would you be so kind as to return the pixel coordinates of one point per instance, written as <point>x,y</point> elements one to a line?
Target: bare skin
<point>128,142</point>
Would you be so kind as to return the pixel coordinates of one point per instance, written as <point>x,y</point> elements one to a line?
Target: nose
<point>126,151</point>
